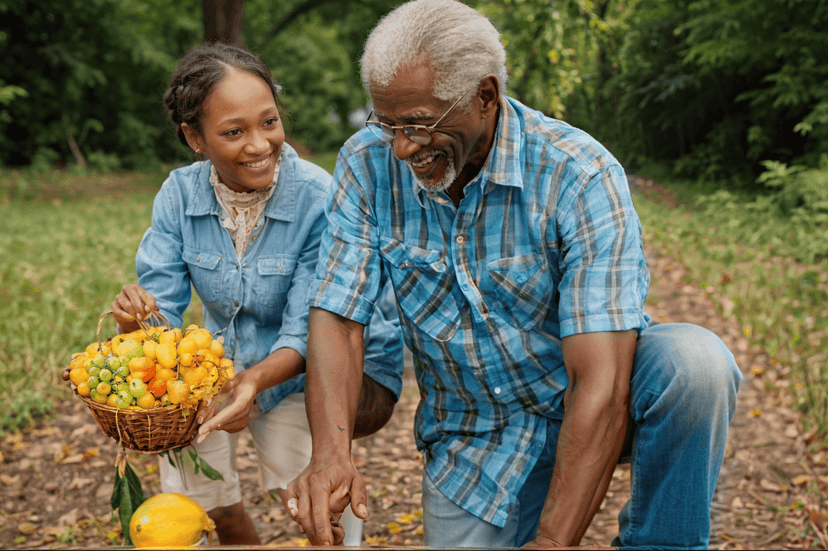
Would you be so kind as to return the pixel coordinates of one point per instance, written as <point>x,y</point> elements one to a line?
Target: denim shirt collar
<point>503,164</point>
<point>281,206</point>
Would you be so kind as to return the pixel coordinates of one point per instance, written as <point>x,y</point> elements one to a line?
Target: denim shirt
<point>259,302</point>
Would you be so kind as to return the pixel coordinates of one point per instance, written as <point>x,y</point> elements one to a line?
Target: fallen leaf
<point>80,482</point>
<point>801,480</point>
<point>27,528</point>
<point>737,503</point>
<point>69,518</point>
<point>9,480</point>
<point>76,458</point>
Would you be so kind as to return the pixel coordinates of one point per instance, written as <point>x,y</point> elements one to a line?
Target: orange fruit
<point>112,400</point>
<point>157,387</point>
<point>141,363</point>
<point>165,355</point>
<point>83,389</point>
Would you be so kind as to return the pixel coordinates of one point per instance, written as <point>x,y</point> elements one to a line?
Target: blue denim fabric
<point>683,397</point>
<point>258,301</point>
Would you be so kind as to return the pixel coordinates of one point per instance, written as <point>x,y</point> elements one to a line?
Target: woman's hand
<point>132,303</point>
<point>241,392</point>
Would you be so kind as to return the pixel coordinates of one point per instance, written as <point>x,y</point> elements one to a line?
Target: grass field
<point>68,246</point>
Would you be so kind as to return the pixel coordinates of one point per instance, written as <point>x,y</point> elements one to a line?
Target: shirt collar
<point>502,165</point>
<point>281,206</point>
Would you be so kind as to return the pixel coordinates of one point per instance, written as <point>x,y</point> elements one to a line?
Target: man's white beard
<point>449,175</point>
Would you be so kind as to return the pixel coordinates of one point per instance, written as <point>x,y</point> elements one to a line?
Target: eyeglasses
<point>417,133</point>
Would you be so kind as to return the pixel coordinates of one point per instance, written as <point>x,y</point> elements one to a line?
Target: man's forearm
<point>589,445</point>
<point>333,380</point>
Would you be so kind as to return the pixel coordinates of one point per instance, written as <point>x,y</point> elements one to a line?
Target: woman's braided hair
<point>199,71</point>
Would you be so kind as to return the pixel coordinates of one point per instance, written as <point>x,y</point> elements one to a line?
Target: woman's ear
<point>489,96</point>
<point>193,138</point>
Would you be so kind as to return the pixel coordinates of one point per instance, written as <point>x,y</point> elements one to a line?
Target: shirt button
<point>497,390</point>
<point>236,303</point>
<point>461,239</point>
<point>244,265</point>
<point>255,237</point>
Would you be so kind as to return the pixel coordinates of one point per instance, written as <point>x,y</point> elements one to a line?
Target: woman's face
<point>241,131</point>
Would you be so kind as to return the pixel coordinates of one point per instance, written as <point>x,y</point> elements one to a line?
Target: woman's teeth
<point>256,165</point>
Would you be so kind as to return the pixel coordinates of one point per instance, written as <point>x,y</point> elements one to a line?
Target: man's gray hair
<point>456,41</point>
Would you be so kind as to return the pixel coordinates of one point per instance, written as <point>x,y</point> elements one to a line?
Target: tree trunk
<point>224,21</point>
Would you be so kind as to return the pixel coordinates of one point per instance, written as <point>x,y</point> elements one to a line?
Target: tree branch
<point>297,10</point>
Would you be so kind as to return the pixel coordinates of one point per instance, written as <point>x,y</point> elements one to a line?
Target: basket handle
<point>155,313</point>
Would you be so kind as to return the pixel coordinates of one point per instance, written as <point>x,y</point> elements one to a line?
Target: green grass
<point>780,302</point>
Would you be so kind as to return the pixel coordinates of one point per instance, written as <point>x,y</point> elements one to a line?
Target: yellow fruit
<point>83,389</point>
<point>177,391</point>
<point>185,359</point>
<point>187,345</point>
<point>168,520</point>
<point>212,376</point>
<point>149,349</point>
<point>164,374</point>
<point>112,400</point>
<point>202,337</point>
<point>141,363</point>
<point>78,375</point>
<point>194,375</point>
<point>147,401</point>
<point>217,349</point>
<point>93,349</point>
<point>165,355</point>
<point>171,336</point>
<point>115,342</point>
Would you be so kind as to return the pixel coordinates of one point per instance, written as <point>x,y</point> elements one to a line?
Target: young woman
<point>243,228</point>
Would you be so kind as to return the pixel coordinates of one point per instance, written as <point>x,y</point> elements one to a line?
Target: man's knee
<point>693,355</point>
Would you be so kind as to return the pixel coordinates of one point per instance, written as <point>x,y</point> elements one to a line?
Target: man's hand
<point>317,498</point>
<point>542,542</point>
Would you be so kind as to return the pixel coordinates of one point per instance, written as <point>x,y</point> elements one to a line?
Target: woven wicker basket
<point>150,430</point>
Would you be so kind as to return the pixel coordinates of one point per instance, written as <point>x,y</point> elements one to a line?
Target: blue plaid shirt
<point>545,244</point>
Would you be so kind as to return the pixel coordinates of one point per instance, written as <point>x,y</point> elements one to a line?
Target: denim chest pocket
<point>423,284</point>
<point>522,287</point>
<point>273,282</point>
<point>205,273</point>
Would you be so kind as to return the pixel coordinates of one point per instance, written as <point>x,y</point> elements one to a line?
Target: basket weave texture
<point>151,430</point>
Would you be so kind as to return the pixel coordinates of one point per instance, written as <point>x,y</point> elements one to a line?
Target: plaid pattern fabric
<point>545,244</point>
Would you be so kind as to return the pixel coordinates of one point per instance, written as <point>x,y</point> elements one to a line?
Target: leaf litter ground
<point>56,479</point>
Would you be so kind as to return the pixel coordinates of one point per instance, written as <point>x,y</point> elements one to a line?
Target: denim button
<point>497,390</point>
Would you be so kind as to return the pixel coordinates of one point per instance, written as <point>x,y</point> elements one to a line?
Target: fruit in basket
<point>137,388</point>
<point>165,355</point>
<point>168,520</point>
<point>177,390</point>
<point>130,349</point>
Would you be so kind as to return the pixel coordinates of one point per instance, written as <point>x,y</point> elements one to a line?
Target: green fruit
<point>89,365</point>
<point>165,400</point>
<point>124,361</point>
<point>111,362</point>
<point>122,404</point>
<point>95,371</point>
<point>131,349</point>
<point>93,382</point>
<point>98,360</point>
<point>105,375</point>
<point>122,371</point>
<point>125,395</point>
<point>137,387</point>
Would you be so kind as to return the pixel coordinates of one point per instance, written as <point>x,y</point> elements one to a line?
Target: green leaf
<point>209,471</point>
<point>127,496</point>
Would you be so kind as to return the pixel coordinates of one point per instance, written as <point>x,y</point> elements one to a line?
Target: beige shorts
<point>282,443</point>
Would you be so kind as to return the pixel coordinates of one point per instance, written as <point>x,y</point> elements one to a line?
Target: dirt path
<point>55,481</point>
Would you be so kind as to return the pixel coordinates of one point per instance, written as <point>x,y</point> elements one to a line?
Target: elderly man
<point>516,257</point>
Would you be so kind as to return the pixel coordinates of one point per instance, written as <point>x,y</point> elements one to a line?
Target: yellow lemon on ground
<point>168,520</point>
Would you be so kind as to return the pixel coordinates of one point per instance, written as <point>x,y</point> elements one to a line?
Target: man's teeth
<point>256,165</point>
<point>424,161</point>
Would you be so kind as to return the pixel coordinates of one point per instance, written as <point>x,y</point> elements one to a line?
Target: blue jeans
<point>682,398</point>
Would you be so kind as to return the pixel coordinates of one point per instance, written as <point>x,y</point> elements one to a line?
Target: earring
<point>198,151</point>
